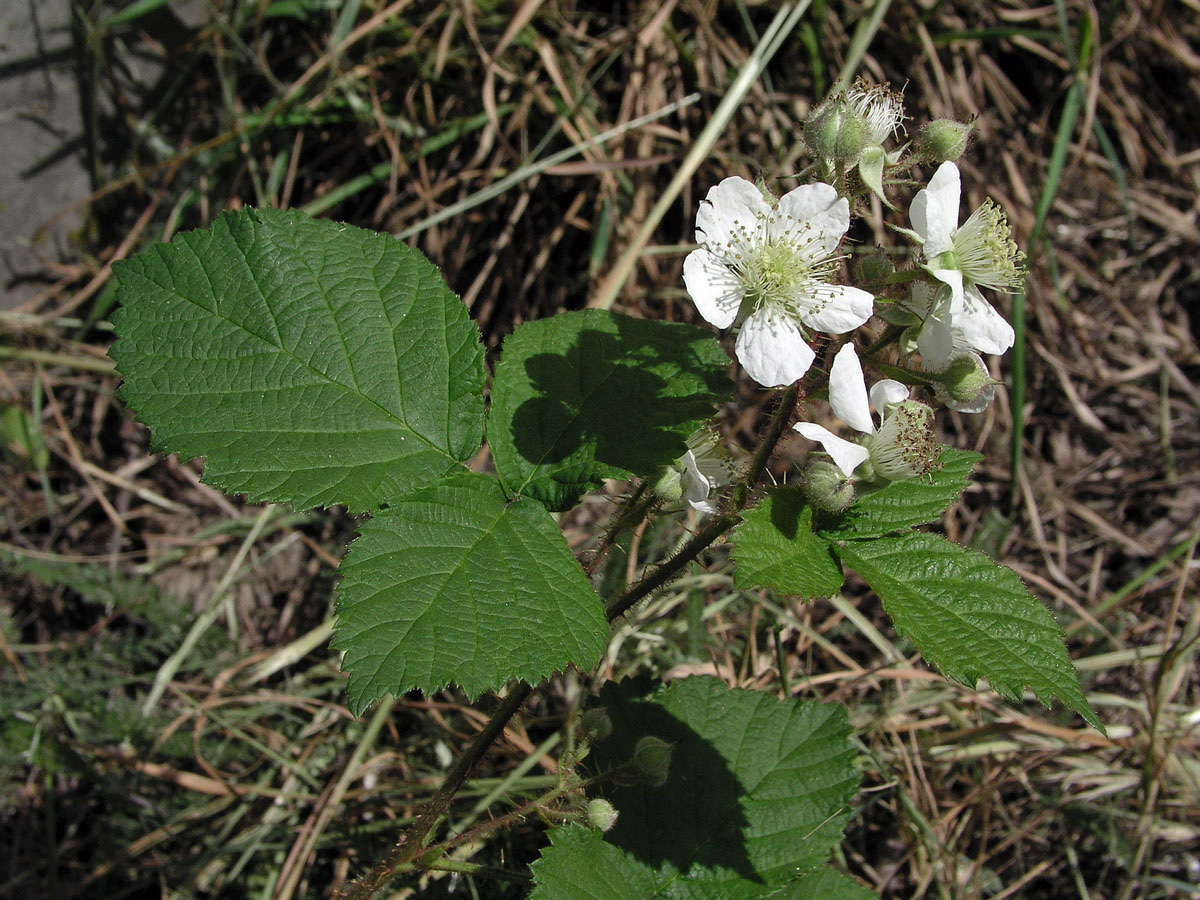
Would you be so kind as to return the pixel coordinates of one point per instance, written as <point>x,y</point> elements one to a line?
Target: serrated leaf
<point>774,547</point>
<point>826,884</point>
<point>454,583</point>
<point>757,789</point>
<point>969,617</point>
<point>590,395</point>
<point>580,865</point>
<point>310,362</point>
<point>902,504</point>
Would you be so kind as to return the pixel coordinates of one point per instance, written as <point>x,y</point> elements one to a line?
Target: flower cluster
<point>768,270</point>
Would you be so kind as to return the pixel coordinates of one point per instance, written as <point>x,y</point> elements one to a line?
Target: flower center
<point>985,252</point>
<point>778,266</point>
<point>904,445</point>
<point>882,109</point>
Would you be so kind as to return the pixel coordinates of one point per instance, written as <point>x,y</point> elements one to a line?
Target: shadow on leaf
<point>625,400</point>
<point>693,821</point>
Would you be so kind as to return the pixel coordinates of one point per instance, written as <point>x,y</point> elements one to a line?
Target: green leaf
<point>310,362</point>
<point>968,616</point>
<point>455,583</point>
<point>580,865</point>
<point>774,547</point>
<point>828,884</point>
<point>914,501</point>
<point>591,395</point>
<point>757,789</point>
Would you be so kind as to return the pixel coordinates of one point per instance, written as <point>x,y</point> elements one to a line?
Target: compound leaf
<point>757,789</point>
<point>774,547</point>
<point>310,362</point>
<point>456,583</point>
<point>913,501</point>
<point>968,616</point>
<point>590,395</point>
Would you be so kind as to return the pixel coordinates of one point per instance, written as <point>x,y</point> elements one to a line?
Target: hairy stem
<point>665,571</point>
<point>412,841</point>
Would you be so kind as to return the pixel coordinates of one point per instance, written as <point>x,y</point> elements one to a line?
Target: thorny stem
<point>665,571</point>
<point>630,515</point>
<point>411,844</point>
<point>412,841</point>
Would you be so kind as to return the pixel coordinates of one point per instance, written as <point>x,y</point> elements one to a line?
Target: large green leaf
<point>901,504</point>
<point>454,583</point>
<point>774,547</point>
<point>758,789</point>
<point>310,362</point>
<point>968,616</point>
<point>580,865</point>
<point>591,395</point>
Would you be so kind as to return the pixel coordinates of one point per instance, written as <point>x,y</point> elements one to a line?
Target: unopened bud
<point>670,484</point>
<point>943,140</point>
<point>652,760</point>
<point>965,384</point>
<point>874,267</point>
<point>601,814</point>
<point>595,725</point>
<point>827,488</point>
<point>834,131</point>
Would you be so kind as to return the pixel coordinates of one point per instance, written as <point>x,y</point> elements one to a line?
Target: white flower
<point>980,253</point>
<point>705,469</point>
<point>766,266</point>
<point>946,351</point>
<point>901,447</point>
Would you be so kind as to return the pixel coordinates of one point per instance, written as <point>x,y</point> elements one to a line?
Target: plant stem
<point>665,571</point>
<point>630,516</point>
<point>411,844</point>
<point>412,841</point>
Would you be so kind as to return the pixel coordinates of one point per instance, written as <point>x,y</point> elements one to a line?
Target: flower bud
<point>874,267</point>
<point>670,484</point>
<point>827,488</point>
<point>595,725</point>
<point>834,131</point>
<point>943,140</point>
<point>652,760</point>
<point>965,384</point>
<point>601,814</point>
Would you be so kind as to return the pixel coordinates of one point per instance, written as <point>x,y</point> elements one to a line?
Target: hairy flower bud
<point>595,725</point>
<point>670,484</point>
<point>943,140</point>
<point>874,267</point>
<point>827,489</point>
<point>834,131</point>
<point>965,384</point>
<point>601,814</point>
<point>652,760</point>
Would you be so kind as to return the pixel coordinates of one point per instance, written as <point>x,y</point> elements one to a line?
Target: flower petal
<point>981,326</point>
<point>733,205</point>
<point>934,210</point>
<point>848,391</point>
<point>696,487</point>
<point>715,290</point>
<point>772,350</point>
<point>935,343</point>
<point>885,393</point>
<point>835,308</point>
<point>846,455</point>
<point>818,212</point>
<point>953,278</point>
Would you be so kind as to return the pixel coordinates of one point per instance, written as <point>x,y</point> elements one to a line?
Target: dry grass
<point>247,777</point>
